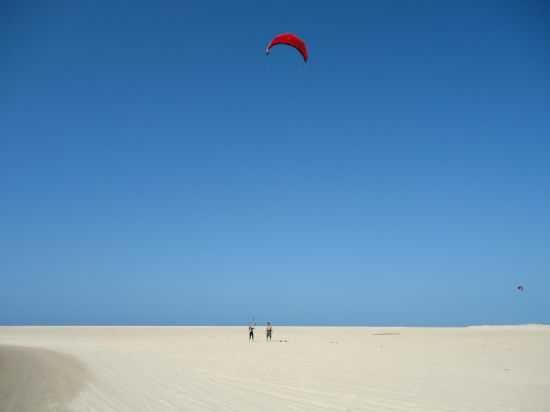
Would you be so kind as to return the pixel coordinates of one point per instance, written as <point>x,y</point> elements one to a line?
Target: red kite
<point>290,40</point>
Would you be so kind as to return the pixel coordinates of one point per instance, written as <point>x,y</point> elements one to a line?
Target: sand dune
<point>138,369</point>
<point>34,379</point>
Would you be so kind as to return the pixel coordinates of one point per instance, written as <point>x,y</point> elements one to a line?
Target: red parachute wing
<point>290,40</point>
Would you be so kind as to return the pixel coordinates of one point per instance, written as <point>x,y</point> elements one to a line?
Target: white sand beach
<point>134,369</point>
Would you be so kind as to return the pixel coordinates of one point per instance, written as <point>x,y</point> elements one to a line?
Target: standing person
<point>268,330</point>
<point>251,332</point>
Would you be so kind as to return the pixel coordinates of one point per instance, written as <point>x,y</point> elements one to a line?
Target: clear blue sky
<point>157,167</point>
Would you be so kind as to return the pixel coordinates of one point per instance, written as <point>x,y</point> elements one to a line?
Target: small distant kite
<point>520,288</point>
<point>290,40</point>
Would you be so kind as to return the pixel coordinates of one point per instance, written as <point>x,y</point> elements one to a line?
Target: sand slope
<point>38,379</point>
<point>318,369</point>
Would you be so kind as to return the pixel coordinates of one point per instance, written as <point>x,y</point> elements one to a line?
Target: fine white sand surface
<point>134,369</point>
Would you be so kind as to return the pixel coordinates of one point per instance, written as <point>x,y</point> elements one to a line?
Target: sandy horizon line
<point>286,325</point>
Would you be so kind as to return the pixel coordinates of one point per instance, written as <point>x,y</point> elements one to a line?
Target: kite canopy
<point>520,288</point>
<point>290,40</point>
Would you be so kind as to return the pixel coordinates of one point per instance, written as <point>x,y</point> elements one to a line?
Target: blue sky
<point>158,167</point>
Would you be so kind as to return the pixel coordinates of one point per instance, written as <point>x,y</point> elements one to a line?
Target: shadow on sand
<point>36,380</point>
